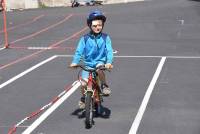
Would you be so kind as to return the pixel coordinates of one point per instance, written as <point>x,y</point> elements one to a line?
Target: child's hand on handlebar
<point>73,65</point>
<point>108,66</point>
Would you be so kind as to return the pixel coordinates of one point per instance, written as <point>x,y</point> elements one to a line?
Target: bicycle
<point>93,95</point>
<point>76,3</point>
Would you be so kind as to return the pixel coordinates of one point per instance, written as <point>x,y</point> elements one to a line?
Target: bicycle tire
<point>88,110</point>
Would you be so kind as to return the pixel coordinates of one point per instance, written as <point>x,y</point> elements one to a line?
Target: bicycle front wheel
<point>88,110</point>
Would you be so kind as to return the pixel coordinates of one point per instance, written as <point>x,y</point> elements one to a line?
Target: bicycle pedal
<point>101,94</point>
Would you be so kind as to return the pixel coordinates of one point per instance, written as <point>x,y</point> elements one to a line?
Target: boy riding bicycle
<point>95,49</point>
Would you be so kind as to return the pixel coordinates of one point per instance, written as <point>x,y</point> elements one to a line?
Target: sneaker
<point>106,90</point>
<point>81,103</point>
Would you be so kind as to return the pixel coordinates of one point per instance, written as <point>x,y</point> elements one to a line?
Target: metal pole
<point>5,24</point>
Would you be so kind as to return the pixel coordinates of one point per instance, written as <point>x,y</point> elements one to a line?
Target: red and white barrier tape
<point>33,114</point>
<point>41,48</point>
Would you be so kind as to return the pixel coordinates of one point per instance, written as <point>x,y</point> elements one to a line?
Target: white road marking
<point>182,22</point>
<point>146,98</point>
<point>141,111</point>
<point>172,57</point>
<point>145,56</point>
<point>26,71</point>
<point>115,51</point>
<point>64,55</point>
<point>51,109</point>
<point>122,56</point>
<point>135,56</point>
<point>18,126</point>
<point>39,48</point>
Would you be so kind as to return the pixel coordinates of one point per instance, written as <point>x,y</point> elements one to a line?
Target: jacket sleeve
<point>109,50</point>
<point>79,51</point>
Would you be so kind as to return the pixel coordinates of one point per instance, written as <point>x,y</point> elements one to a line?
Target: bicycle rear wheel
<point>88,110</point>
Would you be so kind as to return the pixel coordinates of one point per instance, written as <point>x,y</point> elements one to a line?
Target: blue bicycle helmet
<point>95,15</point>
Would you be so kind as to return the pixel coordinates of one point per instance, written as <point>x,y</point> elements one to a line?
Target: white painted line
<point>27,71</point>
<point>124,56</point>
<point>115,51</point>
<point>146,98</point>
<point>183,57</point>
<point>120,56</point>
<point>51,109</point>
<point>64,55</point>
<point>172,57</point>
<point>39,48</point>
<point>182,22</point>
<point>18,126</point>
<point>146,56</point>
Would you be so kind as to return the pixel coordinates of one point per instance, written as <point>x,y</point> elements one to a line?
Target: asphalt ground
<point>155,80</point>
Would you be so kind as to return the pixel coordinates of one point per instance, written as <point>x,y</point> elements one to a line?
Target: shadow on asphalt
<point>80,113</point>
<point>195,0</point>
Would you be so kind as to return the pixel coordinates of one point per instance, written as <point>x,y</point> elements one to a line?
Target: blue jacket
<point>95,50</point>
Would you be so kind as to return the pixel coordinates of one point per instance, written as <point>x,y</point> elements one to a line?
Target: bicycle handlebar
<point>102,67</point>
